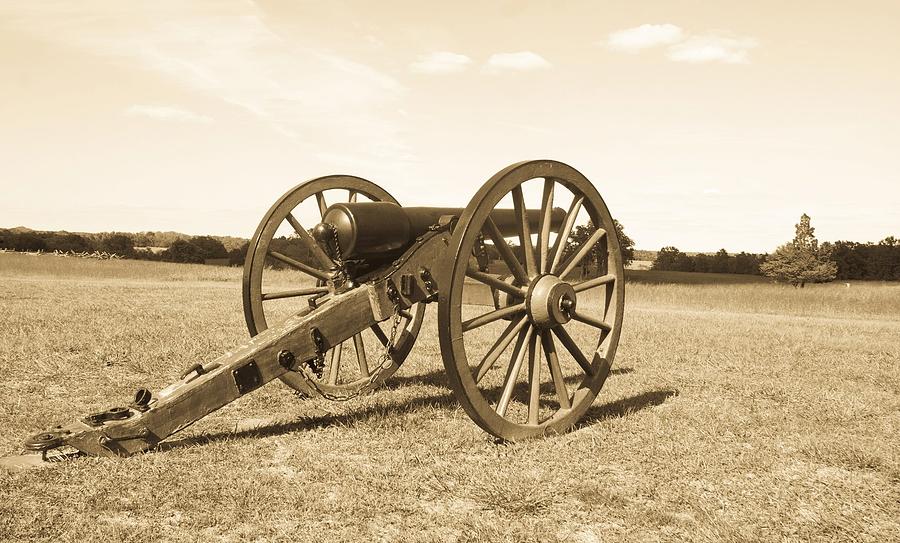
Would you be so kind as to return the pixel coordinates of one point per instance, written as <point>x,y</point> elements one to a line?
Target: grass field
<point>737,411</point>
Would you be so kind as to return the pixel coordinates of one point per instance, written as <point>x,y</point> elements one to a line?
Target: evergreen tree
<point>802,260</point>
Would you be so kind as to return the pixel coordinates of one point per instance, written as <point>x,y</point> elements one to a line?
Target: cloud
<point>683,48</point>
<point>166,113</point>
<point>711,48</point>
<point>632,40</point>
<point>226,51</point>
<point>521,61</point>
<point>440,62</point>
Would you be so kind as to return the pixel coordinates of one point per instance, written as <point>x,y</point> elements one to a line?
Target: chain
<point>385,363</point>
<point>338,257</point>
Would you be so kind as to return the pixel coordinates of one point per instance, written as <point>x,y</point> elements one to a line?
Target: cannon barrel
<point>378,231</point>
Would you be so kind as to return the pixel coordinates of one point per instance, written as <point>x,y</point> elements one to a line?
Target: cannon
<point>530,299</point>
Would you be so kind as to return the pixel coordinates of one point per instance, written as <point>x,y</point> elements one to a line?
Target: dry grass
<point>744,412</point>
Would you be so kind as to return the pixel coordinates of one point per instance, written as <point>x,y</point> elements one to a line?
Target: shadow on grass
<point>438,378</point>
<point>619,408</point>
<point>625,406</point>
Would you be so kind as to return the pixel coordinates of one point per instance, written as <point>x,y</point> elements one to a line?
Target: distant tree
<point>27,241</point>
<point>626,244</point>
<point>120,244</point>
<point>64,242</point>
<point>802,260</point>
<point>6,239</point>
<point>183,251</point>
<point>721,262</point>
<point>699,263</point>
<point>209,247</point>
<point>237,256</point>
<point>885,259</point>
<point>581,234</point>
<point>671,259</point>
<point>142,239</point>
<point>746,263</point>
<point>873,261</point>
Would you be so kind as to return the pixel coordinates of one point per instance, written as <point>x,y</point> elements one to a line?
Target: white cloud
<point>711,48</point>
<point>632,40</point>
<point>440,62</point>
<point>682,48</point>
<point>166,113</point>
<point>521,61</point>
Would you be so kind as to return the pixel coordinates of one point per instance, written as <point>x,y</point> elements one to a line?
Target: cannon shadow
<point>598,413</point>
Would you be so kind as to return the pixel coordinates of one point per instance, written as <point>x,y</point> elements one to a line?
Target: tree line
<point>797,262</point>
<point>190,249</point>
<point>671,259</point>
<point>873,261</point>
<point>800,261</point>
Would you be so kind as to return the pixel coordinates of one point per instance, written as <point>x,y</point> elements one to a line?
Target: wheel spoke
<point>308,270</point>
<point>524,230</point>
<point>515,366</point>
<point>544,233</point>
<point>573,349</point>
<point>499,347</point>
<point>562,392</point>
<point>505,252</point>
<point>595,282</point>
<point>379,333</point>
<point>294,293</point>
<point>559,246</point>
<point>352,196</point>
<point>360,347</point>
<point>334,367</point>
<point>582,252</point>
<point>495,282</point>
<point>534,379</point>
<point>309,243</point>
<point>592,321</point>
<point>320,199</point>
<point>492,316</point>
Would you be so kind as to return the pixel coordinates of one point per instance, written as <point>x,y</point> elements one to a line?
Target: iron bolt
<point>286,358</point>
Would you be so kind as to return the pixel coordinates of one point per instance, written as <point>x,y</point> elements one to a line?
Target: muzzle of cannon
<point>530,300</point>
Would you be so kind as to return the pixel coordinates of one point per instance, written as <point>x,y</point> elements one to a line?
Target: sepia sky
<point>703,124</point>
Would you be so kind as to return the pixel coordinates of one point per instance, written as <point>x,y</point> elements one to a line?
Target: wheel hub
<point>551,301</point>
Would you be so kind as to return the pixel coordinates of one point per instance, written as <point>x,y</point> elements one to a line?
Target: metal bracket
<point>428,280</point>
<point>115,413</point>
<point>407,283</point>
<point>247,377</point>
<point>392,293</point>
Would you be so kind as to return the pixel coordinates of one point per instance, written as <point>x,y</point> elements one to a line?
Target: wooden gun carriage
<point>527,340</point>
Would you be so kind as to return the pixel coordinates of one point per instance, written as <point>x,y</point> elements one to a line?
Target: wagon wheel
<point>555,333</point>
<point>270,295</point>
